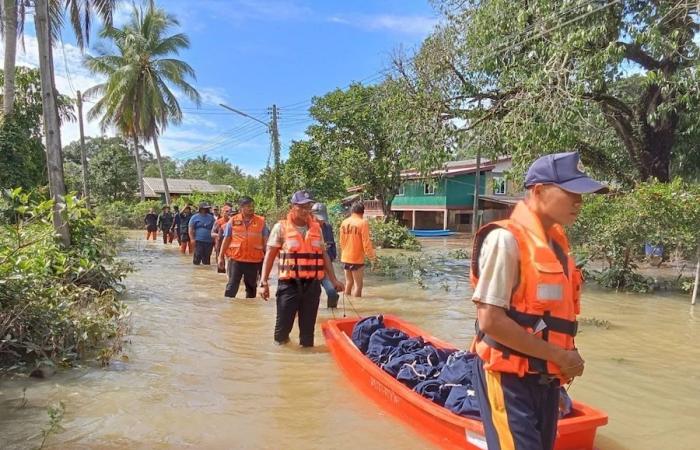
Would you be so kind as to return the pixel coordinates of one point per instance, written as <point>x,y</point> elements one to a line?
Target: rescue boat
<point>434,422</point>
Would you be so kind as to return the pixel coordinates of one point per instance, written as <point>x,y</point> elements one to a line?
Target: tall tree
<point>352,125</point>
<point>8,26</point>
<point>137,94</point>
<point>615,79</point>
<point>46,19</point>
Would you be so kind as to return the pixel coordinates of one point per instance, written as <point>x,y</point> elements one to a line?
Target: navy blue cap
<point>564,170</point>
<point>302,198</point>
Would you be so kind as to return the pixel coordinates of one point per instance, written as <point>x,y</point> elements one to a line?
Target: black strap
<point>556,324</point>
<point>535,364</point>
<point>297,267</point>
<point>302,255</point>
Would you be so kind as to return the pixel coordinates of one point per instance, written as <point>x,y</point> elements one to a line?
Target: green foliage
<point>312,167</point>
<point>56,304</point>
<point>22,158</point>
<point>111,168</point>
<point>615,80</point>
<point>415,267</point>
<point>123,214</point>
<point>391,234</point>
<point>55,413</point>
<point>615,228</point>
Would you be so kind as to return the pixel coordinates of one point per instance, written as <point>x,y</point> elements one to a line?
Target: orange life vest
<point>546,300</point>
<point>247,243</point>
<point>301,257</point>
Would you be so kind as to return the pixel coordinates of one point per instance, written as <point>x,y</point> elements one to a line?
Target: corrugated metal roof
<point>154,186</point>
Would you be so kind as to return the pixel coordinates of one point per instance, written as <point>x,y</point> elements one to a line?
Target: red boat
<point>436,423</point>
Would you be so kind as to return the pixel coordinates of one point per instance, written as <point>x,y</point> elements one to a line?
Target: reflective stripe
<point>499,415</point>
<point>550,292</point>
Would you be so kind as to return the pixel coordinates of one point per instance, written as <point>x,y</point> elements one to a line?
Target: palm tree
<point>136,98</point>
<point>47,21</point>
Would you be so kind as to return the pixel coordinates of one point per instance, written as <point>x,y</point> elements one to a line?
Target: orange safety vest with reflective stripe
<point>247,243</point>
<point>545,302</point>
<point>301,257</point>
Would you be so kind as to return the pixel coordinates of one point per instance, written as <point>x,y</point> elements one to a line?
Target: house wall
<point>414,195</point>
<point>460,189</point>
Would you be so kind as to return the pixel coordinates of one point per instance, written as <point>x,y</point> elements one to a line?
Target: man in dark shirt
<point>151,222</point>
<point>183,227</point>
<point>200,226</point>
<point>165,223</point>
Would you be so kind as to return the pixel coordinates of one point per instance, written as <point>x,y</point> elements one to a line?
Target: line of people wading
<point>246,249</point>
<point>527,288</point>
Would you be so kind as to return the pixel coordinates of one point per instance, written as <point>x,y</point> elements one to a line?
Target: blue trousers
<point>518,413</point>
<point>331,293</point>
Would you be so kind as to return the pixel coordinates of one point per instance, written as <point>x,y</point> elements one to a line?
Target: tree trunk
<point>10,19</point>
<point>139,172</point>
<point>52,130</point>
<point>162,171</point>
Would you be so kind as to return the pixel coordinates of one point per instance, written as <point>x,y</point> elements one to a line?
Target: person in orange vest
<point>218,231</point>
<point>527,292</point>
<point>245,237</point>
<point>355,245</point>
<point>303,263</point>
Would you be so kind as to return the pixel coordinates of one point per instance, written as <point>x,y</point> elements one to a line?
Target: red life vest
<point>546,300</point>
<point>247,243</point>
<point>301,257</point>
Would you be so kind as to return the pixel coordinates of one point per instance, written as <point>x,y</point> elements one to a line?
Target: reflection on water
<point>202,371</point>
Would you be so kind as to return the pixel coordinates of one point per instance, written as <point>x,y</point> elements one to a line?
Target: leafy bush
<point>123,214</point>
<point>56,304</point>
<point>615,228</point>
<point>391,234</point>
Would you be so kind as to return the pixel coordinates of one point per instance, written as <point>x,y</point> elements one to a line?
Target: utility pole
<point>83,157</point>
<point>475,207</point>
<point>52,129</point>
<point>275,135</point>
<point>273,129</point>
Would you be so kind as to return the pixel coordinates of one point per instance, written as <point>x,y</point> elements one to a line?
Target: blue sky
<point>250,54</point>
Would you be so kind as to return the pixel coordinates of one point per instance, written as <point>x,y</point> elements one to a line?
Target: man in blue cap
<point>303,264</point>
<point>527,292</point>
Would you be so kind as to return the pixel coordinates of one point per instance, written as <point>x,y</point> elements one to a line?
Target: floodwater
<point>202,371</point>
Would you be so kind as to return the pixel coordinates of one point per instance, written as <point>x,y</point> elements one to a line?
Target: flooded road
<point>203,372</point>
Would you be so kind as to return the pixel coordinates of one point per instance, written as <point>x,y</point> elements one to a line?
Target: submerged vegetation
<point>57,304</point>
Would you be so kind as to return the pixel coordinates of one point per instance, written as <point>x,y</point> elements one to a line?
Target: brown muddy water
<point>202,371</point>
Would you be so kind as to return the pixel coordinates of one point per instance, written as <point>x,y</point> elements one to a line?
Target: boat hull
<point>434,422</point>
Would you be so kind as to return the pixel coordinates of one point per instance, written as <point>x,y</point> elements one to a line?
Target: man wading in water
<point>298,240</point>
<point>527,290</point>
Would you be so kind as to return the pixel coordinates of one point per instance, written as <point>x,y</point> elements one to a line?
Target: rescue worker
<point>184,224</point>
<point>320,213</point>
<point>527,292</point>
<point>218,231</point>
<point>245,238</point>
<point>151,224</point>
<point>165,223</point>
<point>355,245</point>
<point>200,227</point>
<point>175,228</point>
<point>298,240</point>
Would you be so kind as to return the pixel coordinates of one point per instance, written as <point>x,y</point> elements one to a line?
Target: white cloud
<point>421,25</point>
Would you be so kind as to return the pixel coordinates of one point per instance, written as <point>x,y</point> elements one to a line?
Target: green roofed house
<point>153,187</point>
<point>445,200</point>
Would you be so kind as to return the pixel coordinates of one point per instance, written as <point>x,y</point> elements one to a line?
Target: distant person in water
<point>320,213</point>
<point>151,224</point>
<point>186,246</point>
<point>165,224</point>
<point>355,246</point>
<point>175,227</point>
<point>200,227</point>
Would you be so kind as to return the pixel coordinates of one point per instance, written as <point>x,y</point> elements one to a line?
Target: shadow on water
<point>202,371</point>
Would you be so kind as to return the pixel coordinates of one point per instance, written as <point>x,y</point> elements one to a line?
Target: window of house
<point>429,188</point>
<point>499,185</point>
<point>464,219</point>
<point>402,190</point>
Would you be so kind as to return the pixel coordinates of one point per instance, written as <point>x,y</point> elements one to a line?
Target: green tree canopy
<point>616,80</point>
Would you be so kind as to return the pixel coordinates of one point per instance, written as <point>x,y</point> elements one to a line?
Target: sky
<point>251,54</point>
